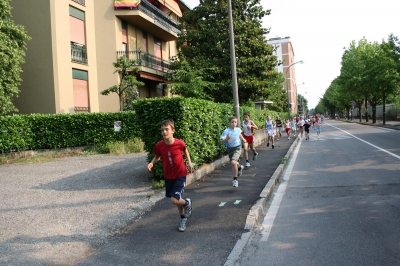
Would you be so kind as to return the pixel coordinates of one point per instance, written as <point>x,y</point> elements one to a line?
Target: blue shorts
<point>175,187</point>
<point>318,129</point>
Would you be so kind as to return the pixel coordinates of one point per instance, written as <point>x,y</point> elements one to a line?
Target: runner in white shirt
<point>270,128</point>
<point>300,124</point>
<point>248,135</point>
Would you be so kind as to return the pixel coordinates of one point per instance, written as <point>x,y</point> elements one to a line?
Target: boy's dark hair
<point>232,117</point>
<point>168,122</point>
<point>246,113</point>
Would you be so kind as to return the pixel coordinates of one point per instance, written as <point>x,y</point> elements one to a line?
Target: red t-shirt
<point>172,158</point>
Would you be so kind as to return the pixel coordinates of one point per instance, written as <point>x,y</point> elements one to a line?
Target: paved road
<point>338,204</point>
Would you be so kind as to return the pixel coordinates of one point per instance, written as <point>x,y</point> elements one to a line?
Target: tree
<point>13,40</point>
<point>303,106</point>
<point>277,94</point>
<point>352,77</point>
<point>186,81</point>
<point>127,89</point>
<point>320,108</point>
<point>205,45</point>
<point>390,74</point>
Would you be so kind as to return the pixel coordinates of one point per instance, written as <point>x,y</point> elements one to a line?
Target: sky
<point>320,30</point>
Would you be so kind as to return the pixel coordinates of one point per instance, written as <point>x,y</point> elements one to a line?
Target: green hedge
<point>47,131</point>
<point>198,123</point>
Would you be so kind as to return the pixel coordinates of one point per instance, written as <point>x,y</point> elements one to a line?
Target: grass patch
<point>284,160</point>
<point>113,148</point>
<point>157,184</point>
<point>119,147</point>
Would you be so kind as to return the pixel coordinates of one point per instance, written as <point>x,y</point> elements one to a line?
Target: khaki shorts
<point>234,153</point>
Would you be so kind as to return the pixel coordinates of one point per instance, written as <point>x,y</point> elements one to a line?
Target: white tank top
<point>247,132</point>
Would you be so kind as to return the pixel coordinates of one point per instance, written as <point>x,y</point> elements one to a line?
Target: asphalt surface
<point>337,203</point>
<point>217,223</point>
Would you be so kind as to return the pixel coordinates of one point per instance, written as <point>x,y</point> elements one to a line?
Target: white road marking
<point>388,152</point>
<point>269,218</point>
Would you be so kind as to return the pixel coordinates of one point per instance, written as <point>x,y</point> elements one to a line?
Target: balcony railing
<point>79,109</point>
<point>156,14</point>
<point>146,60</point>
<point>78,53</point>
<point>82,2</point>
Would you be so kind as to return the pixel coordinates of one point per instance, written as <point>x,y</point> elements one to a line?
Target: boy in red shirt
<point>170,151</point>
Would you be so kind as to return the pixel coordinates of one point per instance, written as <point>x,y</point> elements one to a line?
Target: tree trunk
<point>359,105</point>
<point>384,109</point>
<point>366,108</point>
<point>121,101</point>
<point>374,113</point>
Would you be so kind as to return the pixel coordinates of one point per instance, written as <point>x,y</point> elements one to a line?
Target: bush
<point>198,123</point>
<point>49,131</point>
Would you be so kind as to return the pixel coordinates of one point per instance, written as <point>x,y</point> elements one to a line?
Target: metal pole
<point>233,64</point>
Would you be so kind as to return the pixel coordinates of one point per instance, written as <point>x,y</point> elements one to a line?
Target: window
<point>77,25</point>
<point>158,53</point>
<point>81,91</point>
<point>124,36</point>
<point>77,35</point>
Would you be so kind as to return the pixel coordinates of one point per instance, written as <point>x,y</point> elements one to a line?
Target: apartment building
<point>69,59</point>
<point>285,54</point>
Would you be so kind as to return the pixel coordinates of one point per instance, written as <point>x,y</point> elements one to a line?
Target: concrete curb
<point>256,212</point>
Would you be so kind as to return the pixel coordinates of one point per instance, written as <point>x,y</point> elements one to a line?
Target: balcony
<point>151,19</point>
<point>81,2</point>
<point>78,53</point>
<point>146,60</point>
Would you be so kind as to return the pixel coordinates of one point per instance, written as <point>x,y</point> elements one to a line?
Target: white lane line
<point>388,152</point>
<point>269,218</point>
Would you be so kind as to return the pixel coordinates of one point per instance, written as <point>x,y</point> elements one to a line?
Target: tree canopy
<point>13,40</point>
<point>205,52</point>
<point>370,72</point>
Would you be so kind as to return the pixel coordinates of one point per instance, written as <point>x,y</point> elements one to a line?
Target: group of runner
<point>172,152</point>
<point>297,123</point>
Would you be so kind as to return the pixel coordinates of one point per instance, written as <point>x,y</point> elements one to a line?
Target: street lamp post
<point>302,106</point>
<point>233,63</point>
<point>287,84</point>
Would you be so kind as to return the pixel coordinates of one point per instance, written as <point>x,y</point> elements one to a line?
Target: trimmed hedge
<point>198,123</point>
<point>48,131</point>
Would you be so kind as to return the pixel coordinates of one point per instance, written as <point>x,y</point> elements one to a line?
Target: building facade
<point>69,59</point>
<point>285,54</point>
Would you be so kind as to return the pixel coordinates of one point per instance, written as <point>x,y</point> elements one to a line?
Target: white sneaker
<point>182,225</point>
<point>288,138</point>
<point>240,170</point>
<point>188,209</point>
<point>235,183</point>
<point>247,164</point>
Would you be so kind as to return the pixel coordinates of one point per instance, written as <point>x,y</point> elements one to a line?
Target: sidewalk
<point>222,215</point>
<point>379,123</point>
<point>61,212</point>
